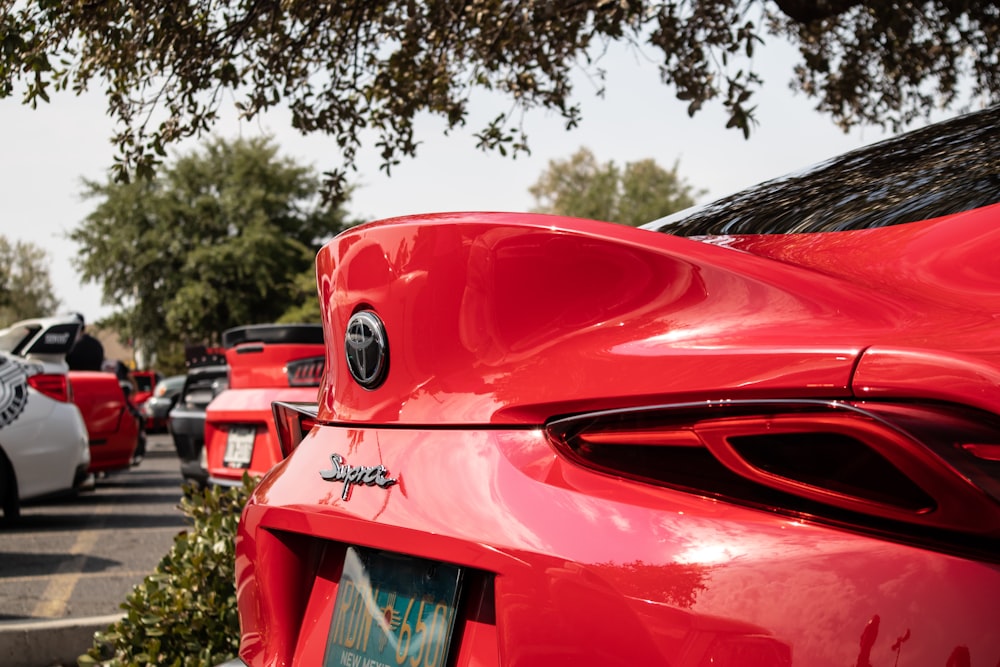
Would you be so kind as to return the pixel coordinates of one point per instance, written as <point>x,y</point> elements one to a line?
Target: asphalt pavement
<point>68,564</point>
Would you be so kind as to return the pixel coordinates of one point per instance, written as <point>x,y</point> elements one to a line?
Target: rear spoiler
<point>41,336</point>
<point>273,334</point>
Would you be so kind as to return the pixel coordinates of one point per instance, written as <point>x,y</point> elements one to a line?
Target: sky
<point>46,152</point>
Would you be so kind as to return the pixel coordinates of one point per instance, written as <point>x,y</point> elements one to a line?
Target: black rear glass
<point>938,170</point>
<point>144,382</point>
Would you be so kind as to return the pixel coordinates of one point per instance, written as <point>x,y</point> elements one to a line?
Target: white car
<point>43,439</point>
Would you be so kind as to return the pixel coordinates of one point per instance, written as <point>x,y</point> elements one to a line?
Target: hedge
<point>184,613</point>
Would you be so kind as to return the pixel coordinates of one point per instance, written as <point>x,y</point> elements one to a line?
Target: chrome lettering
<point>55,338</point>
<point>348,474</point>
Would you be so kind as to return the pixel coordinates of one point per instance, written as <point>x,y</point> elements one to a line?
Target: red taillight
<point>915,469</point>
<point>305,372</point>
<point>52,385</point>
<point>292,421</point>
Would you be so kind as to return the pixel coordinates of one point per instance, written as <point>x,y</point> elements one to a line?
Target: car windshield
<point>175,382</point>
<point>931,172</point>
<point>144,382</point>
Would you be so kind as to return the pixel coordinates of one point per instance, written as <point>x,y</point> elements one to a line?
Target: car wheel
<point>8,490</point>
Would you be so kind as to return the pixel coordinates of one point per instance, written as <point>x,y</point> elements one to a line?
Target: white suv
<point>43,439</point>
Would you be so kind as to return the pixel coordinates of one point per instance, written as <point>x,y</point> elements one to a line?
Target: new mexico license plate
<point>392,610</point>
<point>239,446</point>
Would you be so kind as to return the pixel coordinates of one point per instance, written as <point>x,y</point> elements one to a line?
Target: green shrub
<point>184,614</point>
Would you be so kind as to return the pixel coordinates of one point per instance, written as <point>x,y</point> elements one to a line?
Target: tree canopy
<point>636,194</point>
<point>343,66</point>
<point>221,237</point>
<point>25,283</point>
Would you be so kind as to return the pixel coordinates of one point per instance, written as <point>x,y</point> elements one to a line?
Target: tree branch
<point>807,11</point>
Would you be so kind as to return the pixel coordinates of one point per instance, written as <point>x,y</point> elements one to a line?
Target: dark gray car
<point>187,417</point>
<point>157,407</point>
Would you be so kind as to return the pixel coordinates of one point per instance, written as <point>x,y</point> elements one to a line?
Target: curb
<point>50,642</point>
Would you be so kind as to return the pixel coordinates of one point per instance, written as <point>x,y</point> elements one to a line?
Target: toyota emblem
<point>367,349</point>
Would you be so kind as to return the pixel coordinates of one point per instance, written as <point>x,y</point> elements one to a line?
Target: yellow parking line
<point>108,574</point>
<point>55,598</point>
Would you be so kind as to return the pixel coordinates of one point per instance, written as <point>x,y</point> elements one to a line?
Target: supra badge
<point>367,475</point>
<point>367,348</point>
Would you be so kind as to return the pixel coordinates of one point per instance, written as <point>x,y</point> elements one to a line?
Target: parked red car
<point>145,383</point>
<point>113,427</point>
<point>267,363</point>
<point>763,432</point>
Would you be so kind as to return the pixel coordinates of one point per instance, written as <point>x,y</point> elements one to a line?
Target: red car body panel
<point>639,448</point>
<point>257,377</point>
<point>111,428</point>
<point>251,407</point>
<point>643,576</point>
<point>598,303</point>
<point>145,384</point>
<point>676,317</point>
<point>647,575</point>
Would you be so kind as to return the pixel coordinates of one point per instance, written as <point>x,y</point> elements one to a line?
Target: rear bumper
<point>586,567</point>
<point>82,479</point>
<point>194,471</point>
<point>223,481</point>
<point>188,446</point>
<point>188,431</point>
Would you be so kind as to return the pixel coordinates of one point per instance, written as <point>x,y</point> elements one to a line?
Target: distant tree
<point>219,238</point>
<point>303,292</point>
<point>25,284</point>
<point>636,194</point>
<point>344,66</point>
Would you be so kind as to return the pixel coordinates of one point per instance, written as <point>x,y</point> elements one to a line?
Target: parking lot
<point>78,558</point>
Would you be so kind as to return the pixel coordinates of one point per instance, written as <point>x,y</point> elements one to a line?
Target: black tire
<point>8,491</point>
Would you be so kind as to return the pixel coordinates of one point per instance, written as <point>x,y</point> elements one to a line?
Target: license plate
<point>392,610</point>
<point>239,446</point>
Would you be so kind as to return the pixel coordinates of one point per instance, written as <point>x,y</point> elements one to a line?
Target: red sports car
<point>267,363</point>
<point>145,382</point>
<point>765,432</point>
<point>114,429</point>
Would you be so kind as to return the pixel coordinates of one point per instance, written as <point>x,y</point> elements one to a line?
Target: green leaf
<point>183,613</point>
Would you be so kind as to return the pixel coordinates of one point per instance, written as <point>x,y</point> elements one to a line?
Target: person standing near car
<point>87,353</point>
